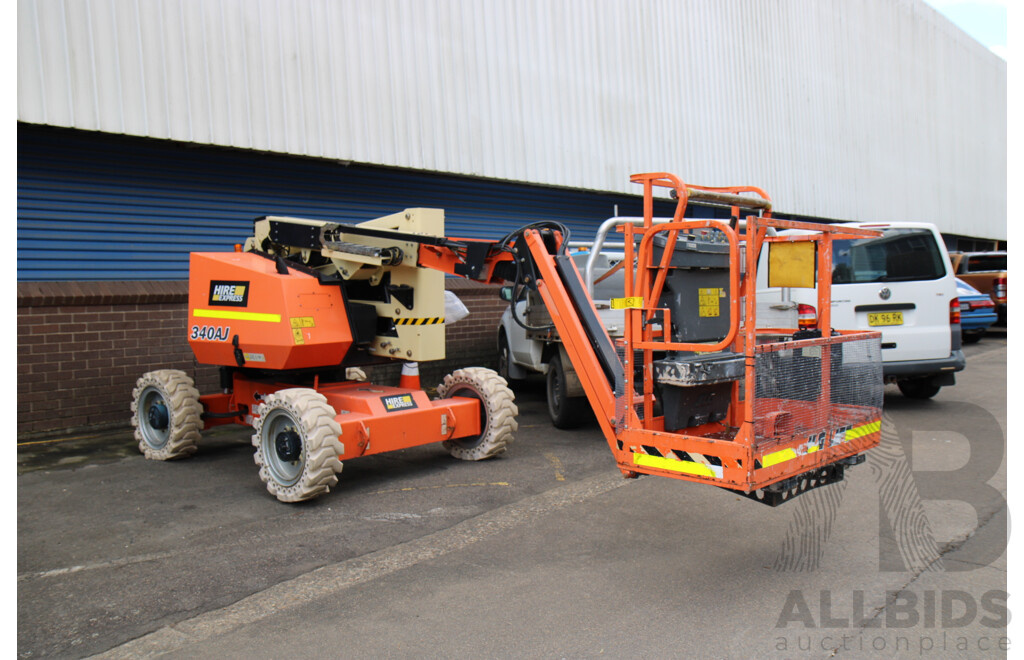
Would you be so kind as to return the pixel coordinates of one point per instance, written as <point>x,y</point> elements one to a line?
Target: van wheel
<point>504,357</point>
<point>918,389</point>
<point>972,337</point>
<point>566,412</point>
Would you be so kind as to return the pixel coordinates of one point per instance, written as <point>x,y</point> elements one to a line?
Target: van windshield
<point>897,255</point>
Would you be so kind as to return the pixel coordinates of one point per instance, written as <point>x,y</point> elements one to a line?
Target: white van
<point>903,285</point>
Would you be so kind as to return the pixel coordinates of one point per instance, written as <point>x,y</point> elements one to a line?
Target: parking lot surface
<point>544,552</point>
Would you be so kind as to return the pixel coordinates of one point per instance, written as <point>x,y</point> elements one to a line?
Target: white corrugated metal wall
<point>853,109</point>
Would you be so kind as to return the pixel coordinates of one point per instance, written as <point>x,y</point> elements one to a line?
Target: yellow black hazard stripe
<point>680,461</point>
<point>421,321</point>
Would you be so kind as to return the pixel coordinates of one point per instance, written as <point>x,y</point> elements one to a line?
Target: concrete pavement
<point>570,560</point>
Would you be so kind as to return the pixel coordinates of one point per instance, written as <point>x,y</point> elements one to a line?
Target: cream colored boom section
<point>414,314</point>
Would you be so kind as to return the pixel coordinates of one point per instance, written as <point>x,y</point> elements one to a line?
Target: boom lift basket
<point>769,413</point>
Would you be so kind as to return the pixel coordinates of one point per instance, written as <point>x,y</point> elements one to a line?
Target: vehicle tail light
<point>978,304</point>
<point>806,316</point>
<point>999,289</point>
<point>954,311</point>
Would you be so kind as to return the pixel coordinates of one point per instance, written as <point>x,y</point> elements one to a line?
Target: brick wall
<point>82,345</point>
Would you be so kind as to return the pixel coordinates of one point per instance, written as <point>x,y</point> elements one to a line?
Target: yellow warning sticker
<point>708,302</point>
<point>297,334</point>
<point>302,322</point>
<point>636,302</point>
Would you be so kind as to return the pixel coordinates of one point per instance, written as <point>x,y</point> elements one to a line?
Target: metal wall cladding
<point>106,207</point>
<point>852,109</point>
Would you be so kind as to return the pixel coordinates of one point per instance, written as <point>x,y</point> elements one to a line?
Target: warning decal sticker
<point>707,301</point>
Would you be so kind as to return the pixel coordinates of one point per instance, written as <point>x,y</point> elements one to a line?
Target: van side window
<point>897,255</point>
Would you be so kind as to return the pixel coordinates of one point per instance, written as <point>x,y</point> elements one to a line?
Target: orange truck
<point>693,390</point>
<point>986,272</point>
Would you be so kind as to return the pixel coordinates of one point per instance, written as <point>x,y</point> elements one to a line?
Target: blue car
<point>977,312</point>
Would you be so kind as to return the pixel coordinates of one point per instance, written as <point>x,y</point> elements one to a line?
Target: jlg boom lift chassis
<point>694,391</point>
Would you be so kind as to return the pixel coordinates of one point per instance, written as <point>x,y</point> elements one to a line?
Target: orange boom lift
<point>695,390</point>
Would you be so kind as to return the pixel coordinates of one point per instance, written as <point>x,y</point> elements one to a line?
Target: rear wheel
<point>918,389</point>
<point>166,415</point>
<point>566,412</point>
<point>972,337</point>
<point>504,357</point>
<point>297,445</point>
<point>497,412</point>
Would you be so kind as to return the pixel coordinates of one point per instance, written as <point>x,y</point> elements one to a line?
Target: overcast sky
<point>985,20</point>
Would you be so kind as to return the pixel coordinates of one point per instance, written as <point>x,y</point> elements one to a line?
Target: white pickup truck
<point>528,345</point>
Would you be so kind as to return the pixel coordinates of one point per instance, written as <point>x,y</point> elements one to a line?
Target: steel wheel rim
<point>284,472</point>
<point>470,393</point>
<point>154,437</point>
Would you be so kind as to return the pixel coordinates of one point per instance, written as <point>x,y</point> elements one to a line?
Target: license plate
<point>885,318</point>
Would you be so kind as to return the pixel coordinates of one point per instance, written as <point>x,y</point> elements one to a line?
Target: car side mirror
<point>505,293</point>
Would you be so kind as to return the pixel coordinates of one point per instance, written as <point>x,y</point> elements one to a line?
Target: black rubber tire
<point>497,407</point>
<point>177,434</point>
<point>566,412</point>
<point>918,389</point>
<point>314,470</point>
<point>973,337</point>
<point>504,357</point>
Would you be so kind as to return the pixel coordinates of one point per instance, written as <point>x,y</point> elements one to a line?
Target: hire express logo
<point>398,402</point>
<point>229,294</point>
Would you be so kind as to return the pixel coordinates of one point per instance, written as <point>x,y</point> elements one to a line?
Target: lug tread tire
<point>182,400</point>
<point>320,444</point>
<point>500,411</point>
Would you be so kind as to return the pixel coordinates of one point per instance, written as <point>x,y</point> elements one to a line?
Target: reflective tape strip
<point>777,457</point>
<point>783,455</point>
<point>687,467</point>
<point>864,429</point>
<point>424,321</point>
<point>235,316</point>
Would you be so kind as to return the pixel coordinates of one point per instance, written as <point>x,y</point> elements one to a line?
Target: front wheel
<point>567,412</point>
<point>297,445</point>
<point>166,415</point>
<point>497,412</point>
<point>918,389</point>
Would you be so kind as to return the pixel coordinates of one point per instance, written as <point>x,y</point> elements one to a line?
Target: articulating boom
<point>693,391</point>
